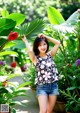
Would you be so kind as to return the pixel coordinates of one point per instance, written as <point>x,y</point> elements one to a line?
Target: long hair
<point>36,44</point>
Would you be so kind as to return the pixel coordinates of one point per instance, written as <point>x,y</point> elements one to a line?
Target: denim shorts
<point>47,89</point>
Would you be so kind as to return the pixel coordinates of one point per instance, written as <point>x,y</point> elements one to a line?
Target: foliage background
<point>38,8</point>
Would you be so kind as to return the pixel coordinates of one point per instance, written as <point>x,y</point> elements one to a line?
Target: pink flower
<point>12,36</point>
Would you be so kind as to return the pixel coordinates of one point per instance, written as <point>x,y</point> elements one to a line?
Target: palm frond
<point>32,28</point>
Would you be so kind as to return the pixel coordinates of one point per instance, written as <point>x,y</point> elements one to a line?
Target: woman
<point>46,72</point>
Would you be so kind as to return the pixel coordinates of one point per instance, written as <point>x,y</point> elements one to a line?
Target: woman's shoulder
<point>48,54</point>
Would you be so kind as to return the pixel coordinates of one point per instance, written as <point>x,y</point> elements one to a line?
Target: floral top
<point>46,71</point>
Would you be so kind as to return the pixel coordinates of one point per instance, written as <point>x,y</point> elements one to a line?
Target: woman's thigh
<point>43,99</point>
<point>51,102</point>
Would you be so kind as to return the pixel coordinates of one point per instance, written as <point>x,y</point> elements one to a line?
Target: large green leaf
<point>8,53</point>
<point>2,41</point>
<point>9,45</point>
<point>55,16</point>
<point>6,24</point>
<point>73,19</point>
<point>6,32</point>
<point>19,18</point>
<point>69,24</point>
<point>63,28</point>
<point>32,28</point>
<point>18,44</point>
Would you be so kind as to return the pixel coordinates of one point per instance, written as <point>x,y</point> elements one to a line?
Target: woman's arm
<point>54,50</point>
<point>29,50</point>
<point>56,43</point>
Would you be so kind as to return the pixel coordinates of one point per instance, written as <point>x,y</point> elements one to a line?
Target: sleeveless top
<point>46,71</point>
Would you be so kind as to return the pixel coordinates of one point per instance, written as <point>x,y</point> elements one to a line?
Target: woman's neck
<point>42,54</point>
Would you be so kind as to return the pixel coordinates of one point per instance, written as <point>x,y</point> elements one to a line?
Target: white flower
<point>40,78</point>
<point>42,67</point>
<point>48,64</point>
<point>43,62</point>
<point>47,75</point>
<point>42,71</point>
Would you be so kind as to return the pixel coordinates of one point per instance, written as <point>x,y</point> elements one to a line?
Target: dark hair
<point>36,44</point>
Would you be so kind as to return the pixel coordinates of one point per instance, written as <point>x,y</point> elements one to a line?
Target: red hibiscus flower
<point>13,64</point>
<point>12,36</point>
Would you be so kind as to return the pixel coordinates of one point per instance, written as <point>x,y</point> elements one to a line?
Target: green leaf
<point>19,44</point>
<point>6,32</point>
<point>13,110</point>
<point>19,103</point>
<point>4,13</point>
<point>12,76</point>
<point>6,24</point>
<point>63,28</point>
<point>19,91</point>
<point>3,90</point>
<point>19,18</point>
<point>32,28</point>
<point>9,44</point>
<point>2,41</point>
<point>69,24</point>
<point>73,19</point>
<point>71,88</point>
<point>55,16</point>
<point>8,53</point>
<point>23,84</point>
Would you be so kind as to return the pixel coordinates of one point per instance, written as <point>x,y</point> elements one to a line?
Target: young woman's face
<point>42,47</point>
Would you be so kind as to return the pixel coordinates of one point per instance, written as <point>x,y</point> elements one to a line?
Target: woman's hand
<point>41,35</point>
<point>24,38</point>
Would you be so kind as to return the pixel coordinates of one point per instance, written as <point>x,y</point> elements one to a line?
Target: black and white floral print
<point>46,71</point>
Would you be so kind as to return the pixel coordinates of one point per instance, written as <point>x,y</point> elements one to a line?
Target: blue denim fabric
<point>47,89</point>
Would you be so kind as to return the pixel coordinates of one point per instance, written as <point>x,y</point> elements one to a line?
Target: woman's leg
<point>43,99</point>
<point>51,103</point>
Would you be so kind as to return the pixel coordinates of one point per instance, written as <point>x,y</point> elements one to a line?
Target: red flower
<point>13,64</point>
<point>12,36</point>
